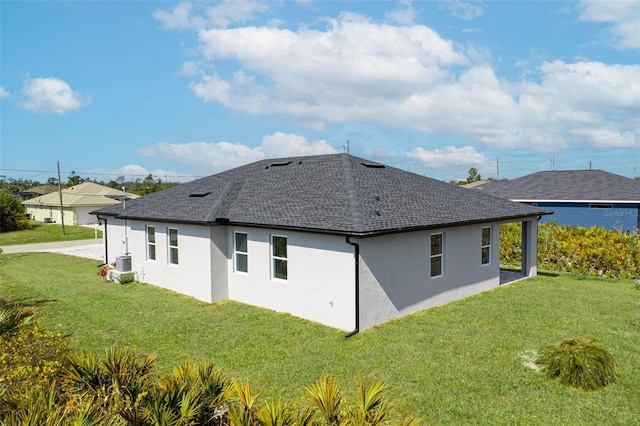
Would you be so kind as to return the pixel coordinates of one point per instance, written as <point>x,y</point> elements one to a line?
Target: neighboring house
<point>35,191</point>
<point>576,197</point>
<point>335,239</point>
<point>77,203</point>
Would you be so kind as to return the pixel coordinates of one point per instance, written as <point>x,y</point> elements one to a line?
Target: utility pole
<point>497,168</point>
<point>60,195</point>
<point>346,146</point>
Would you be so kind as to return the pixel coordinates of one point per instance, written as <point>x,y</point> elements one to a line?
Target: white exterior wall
<point>530,248</point>
<point>82,216</point>
<point>220,258</point>
<point>114,233</point>
<point>320,283</point>
<point>395,277</point>
<point>394,269</point>
<point>191,276</point>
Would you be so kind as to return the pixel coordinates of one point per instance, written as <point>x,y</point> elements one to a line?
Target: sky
<point>186,90</point>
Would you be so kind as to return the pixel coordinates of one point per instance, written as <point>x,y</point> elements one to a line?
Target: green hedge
<point>589,251</point>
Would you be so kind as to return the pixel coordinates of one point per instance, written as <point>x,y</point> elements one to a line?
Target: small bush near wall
<point>589,251</point>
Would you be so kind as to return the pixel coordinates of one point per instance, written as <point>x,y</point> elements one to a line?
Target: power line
<point>96,174</point>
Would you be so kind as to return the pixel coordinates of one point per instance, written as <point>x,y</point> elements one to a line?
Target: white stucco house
<point>335,239</point>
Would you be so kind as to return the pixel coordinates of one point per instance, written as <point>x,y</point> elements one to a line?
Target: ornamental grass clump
<point>579,363</point>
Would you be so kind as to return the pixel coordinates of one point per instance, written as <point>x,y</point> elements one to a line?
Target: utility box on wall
<point>123,263</point>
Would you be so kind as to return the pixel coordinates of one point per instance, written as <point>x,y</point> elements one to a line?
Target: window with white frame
<point>151,242</point>
<point>437,256</point>
<point>172,234</point>
<point>241,254</point>
<point>486,245</point>
<point>279,257</point>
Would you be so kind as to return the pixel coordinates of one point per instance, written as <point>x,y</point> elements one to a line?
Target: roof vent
<point>376,197</point>
<point>377,212</point>
<point>373,165</point>
<point>286,163</point>
<point>199,194</point>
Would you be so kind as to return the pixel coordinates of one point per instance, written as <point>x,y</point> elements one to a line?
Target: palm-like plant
<point>278,413</point>
<point>42,407</point>
<point>244,412</point>
<point>130,376</point>
<point>579,363</point>
<point>12,316</point>
<point>115,385</point>
<point>83,373</point>
<point>194,395</point>
<point>370,408</point>
<point>326,397</point>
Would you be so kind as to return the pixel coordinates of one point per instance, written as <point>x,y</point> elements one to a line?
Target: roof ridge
<point>212,216</point>
<point>357,219</point>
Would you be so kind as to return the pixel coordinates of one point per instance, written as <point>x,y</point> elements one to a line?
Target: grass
<point>457,364</point>
<point>48,233</point>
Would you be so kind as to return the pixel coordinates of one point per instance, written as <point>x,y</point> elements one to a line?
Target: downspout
<point>357,286</point>
<point>104,237</point>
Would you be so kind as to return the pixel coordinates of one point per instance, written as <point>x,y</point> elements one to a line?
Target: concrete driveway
<point>90,249</point>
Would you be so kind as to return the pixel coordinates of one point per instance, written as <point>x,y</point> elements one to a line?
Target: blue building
<point>576,197</point>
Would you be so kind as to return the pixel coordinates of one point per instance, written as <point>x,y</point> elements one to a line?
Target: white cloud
<point>183,16</point>
<point>51,95</point>
<point>623,18</point>
<point>463,9</point>
<point>405,14</point>
<point>449,157</point>
<point>178,17</point>
<point>352,71</point>
<point>208,157</point>
<point>233,11</point>
<point>602,137</point>
<point>355,71</point>
<point>590,85</point>
<point>287,144</point>
<point>4,93</point>
<point>133,172</point>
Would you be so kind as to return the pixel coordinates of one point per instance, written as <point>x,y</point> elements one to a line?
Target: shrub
<point>30,364</point>
<point>579,363</point>
<point>42,382</point>
<point>12,316</point>
<point>589,251</point>
<point>192,394</point>
<point>117,384</point>
<point>12,216</point>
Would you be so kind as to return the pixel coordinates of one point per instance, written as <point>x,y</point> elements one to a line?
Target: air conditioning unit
<point>48,220</point>
<point>123,263</point>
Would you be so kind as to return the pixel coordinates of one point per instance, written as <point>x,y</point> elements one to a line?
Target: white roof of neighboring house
<point>84,194</point>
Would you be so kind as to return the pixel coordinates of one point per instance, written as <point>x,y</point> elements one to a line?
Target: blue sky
<point>184,90</point>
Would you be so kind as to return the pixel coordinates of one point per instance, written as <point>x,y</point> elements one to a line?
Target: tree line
<point>145,186</point>
<point>12,217</point>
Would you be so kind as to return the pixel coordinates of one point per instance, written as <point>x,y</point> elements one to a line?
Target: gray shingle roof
<point>569,185</point>
<point>336,193</point>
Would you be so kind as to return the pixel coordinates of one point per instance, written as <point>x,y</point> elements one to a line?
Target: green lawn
<point>42,233</point>
<point>457,364</point>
